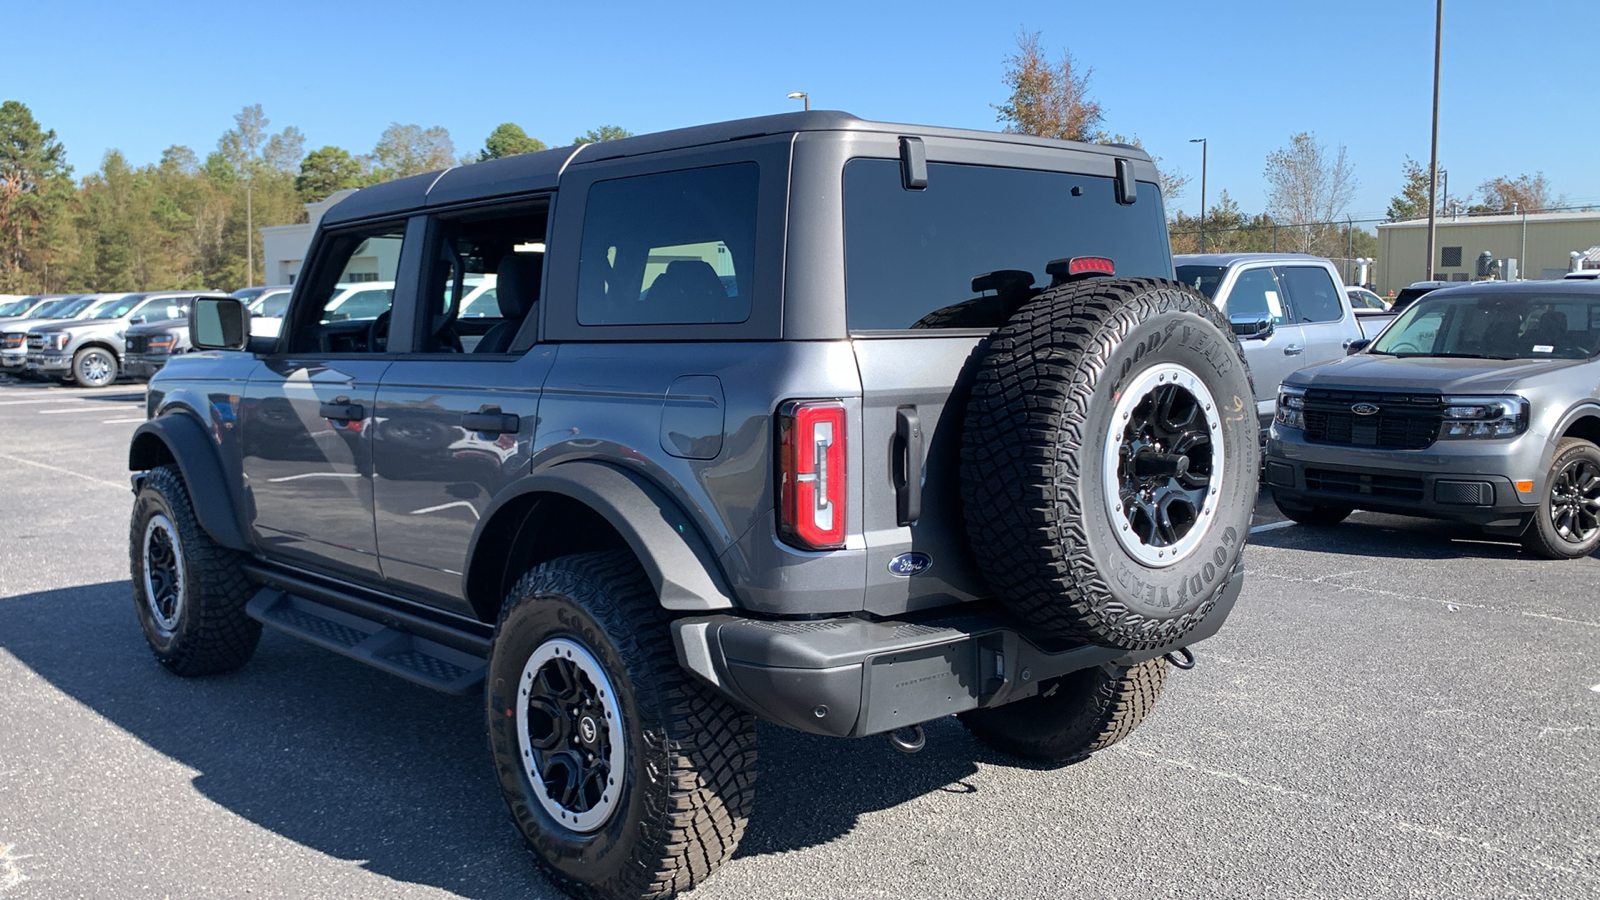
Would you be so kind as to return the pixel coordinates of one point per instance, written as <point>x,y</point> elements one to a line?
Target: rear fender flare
<point>210,492</point>
<point>668,545</point>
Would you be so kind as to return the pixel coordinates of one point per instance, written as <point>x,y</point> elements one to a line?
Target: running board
<point>416,659</point>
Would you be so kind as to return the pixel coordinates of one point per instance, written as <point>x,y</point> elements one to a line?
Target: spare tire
<point>1109,461</point>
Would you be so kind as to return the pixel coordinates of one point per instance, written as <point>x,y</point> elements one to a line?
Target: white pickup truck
<point>1289,310</point>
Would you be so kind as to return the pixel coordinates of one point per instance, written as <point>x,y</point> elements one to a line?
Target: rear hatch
<point>928,275</point>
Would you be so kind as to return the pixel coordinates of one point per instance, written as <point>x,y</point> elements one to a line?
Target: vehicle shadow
<point>1395,537</point>
<point>359,765</point>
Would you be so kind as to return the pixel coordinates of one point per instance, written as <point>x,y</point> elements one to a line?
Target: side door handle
<point>907,464</point>
<point>342,410</point>
<point>490,420</point>
<point>1293,350</point>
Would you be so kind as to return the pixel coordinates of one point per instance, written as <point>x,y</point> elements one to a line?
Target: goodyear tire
<point>1109,461</point>
<point>627,777</point>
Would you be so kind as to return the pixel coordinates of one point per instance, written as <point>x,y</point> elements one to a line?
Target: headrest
<point>517,283</point>
<point>687,281</point>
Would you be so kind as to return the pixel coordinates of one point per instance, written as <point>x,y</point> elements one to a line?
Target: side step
<point>413,658</point>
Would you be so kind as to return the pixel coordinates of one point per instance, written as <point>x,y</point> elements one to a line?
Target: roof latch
<point>913,164</point>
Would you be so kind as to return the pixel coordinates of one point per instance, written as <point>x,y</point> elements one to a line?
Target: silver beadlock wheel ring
<point>569,734</point>
<point>1163,464</point>
<point>163,572</point>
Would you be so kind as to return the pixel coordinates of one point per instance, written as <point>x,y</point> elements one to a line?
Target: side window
<point>346,307</point>
<point>1312,293</point>
<point>1256,293</point>
<point>673,248</point>
<point>484,279</point>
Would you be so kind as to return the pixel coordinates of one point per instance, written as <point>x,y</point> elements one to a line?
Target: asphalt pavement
<point>1396,708</point>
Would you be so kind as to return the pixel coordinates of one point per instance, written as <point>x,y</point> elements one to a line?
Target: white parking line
<point>28,462</point>
<point>1270,526</point>
<point>1596,689</point>
<point>120,421</point>
<point>39,400</point>
<point>81,409</point>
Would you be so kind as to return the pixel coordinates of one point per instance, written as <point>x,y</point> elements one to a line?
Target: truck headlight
<point>162,343</point>
<point>58,341</point>
<point>1484,417</point>
<point>1291,407</point>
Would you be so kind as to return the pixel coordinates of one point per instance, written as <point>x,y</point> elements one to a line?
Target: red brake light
<point>811,474</point>
<point>1091,265</point>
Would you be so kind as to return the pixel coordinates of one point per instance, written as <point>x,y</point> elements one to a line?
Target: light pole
<point>1205,149</point>
<point>802,95</point>
<point>1433,154</point>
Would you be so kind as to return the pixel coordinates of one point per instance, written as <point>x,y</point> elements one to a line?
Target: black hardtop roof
<point>541,171</point>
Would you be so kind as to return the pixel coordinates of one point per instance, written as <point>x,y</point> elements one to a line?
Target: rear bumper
<point>848,677</point>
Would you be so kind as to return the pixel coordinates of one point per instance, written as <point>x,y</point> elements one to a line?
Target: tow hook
<point>914,740</point>
<point>1181,658</point>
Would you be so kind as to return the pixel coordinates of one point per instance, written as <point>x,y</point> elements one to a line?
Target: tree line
<point>188,222</point>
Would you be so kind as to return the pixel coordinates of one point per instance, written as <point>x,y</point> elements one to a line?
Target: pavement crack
<point>1452,605</point>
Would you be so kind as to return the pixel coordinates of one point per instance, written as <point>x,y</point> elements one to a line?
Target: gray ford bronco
<point>843,425</point>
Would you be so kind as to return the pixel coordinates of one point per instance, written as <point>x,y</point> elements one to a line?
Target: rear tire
<point>1310,513</point>
<point>1567,523</point>
<point>1081,713</point>
<point>1109,461</point>
<point>627,778</point>
<point>189,592</point>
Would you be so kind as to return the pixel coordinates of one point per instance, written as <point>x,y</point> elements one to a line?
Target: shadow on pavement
<point>1394,537</point>
<point>357,764</point>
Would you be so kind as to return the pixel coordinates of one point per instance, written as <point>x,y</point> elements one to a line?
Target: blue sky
<point>1245,74</point>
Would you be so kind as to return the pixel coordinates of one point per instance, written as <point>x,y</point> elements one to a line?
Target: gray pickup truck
<point>844,425</point>
<point>1480,404</point>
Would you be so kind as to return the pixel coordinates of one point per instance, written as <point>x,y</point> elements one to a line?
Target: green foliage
<point>1412,201</point>
<point>509,139</point>
<point>405,150</point>
<point>330,169</point>
<point>35,185</point>
<point>603,133</point>
<point>1048,99</point>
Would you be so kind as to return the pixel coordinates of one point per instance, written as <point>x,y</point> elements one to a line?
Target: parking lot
<point>1396,708</point>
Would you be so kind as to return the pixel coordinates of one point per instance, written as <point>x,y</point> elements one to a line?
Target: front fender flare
<point>670,549</point>
<point>196,455</point>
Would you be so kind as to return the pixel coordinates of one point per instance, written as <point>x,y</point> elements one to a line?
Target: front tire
<point>1567,522</point>
<point>94,367</point>
<point>189,592</point>
<point>1081,713</point>
<point>627,778</point>
<point>1310,513</point>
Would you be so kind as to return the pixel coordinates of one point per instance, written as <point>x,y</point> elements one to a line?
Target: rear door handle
<point>907,463</point>
<point>342,410</point>
<point>1293,350</point>
<point>490,420</point>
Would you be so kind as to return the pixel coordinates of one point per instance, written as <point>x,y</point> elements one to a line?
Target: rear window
<point>1204,279</point>
<point>973,246</point>
<point>676,248</point>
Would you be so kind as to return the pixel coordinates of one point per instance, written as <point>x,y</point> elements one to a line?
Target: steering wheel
<point>1405,348</point>
<point>378,334</point>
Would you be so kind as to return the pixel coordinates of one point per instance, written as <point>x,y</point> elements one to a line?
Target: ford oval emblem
<point>908,564</point>
<point>1364,409</point>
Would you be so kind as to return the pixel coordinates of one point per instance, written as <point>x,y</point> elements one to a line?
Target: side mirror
<point>1251,326</point>
<point>219,323</point>
<point>1355,347</point>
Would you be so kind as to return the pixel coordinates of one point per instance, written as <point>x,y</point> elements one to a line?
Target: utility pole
<point>1433,153</point>
<point>1205,148</point>
<point>249,237</point>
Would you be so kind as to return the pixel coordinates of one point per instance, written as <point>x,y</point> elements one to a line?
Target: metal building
<point>1542,244</point>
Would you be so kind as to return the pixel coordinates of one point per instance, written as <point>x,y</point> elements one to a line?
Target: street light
<point>1205,149</point>
<point>802,95</point>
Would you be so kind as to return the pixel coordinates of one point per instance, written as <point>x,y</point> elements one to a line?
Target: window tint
<point>345,310</point>
<point>1312,293</point>
<point>165,309</point>
<point>1255,293</point>
<point>673,248</point>
<point>272,305</point>
<point>1497,326</point>
<point>913,258</point>
<point>1204,279</point>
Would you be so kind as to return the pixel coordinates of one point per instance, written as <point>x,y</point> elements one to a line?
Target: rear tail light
<point>811,474</point>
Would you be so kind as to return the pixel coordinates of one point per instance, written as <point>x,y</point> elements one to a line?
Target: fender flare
<point>209,491</point>
<point>669,547</point>
<point>1548,454</point>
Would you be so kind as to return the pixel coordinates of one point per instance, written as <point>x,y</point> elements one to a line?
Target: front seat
<point>690,291</point>
<point>516,290</point>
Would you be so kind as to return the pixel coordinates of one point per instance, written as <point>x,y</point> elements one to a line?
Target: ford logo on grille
<point>909,564</point>
<point>1364,409</point>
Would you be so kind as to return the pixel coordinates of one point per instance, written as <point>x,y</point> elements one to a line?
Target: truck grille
<point>35,342</point>
<point>1397,487</point>
<point>1403,421</point>
<point>138,343</point>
